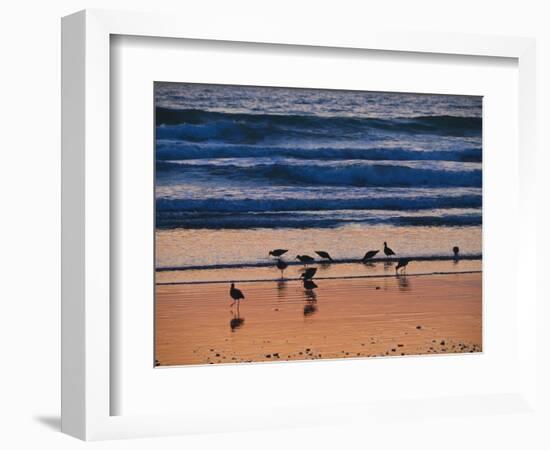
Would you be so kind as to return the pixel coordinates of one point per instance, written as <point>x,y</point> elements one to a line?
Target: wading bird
<point>236,294</point>
<point>402,264</point>
<point>281,265</point>
<point>369,255</point>
<point>323,254</point>
<point>388,251</point>
<point>455,251</point>
<point>309,284</point>
<point>306,259</point>
<point>277,252</point>
<point>309,273</point>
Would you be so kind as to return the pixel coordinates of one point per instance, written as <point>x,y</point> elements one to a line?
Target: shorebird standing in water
<point>455,251</point>
<point>388,251</point>
<point>323,254</point>
<point>309,273</point>
<point>306,259</point>
<point>281,265</point>
<point>402,264</point>
<point>369,255</point>
<point>236,295</point>
<point>277,252</point>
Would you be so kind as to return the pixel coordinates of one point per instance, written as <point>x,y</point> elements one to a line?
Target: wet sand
<point>344,318</point>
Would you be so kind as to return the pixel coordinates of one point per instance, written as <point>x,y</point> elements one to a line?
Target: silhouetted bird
<point>323,254</point>
<point>235,294</point>
<point>281,265</point>
<point>306,259</point>
<point>277,252</point>
<point>388,251</point>
<point>309,273</point>
<point>402,263</point>
<point>309,284</point>
<point>455,251</point>
<point>370,254</point>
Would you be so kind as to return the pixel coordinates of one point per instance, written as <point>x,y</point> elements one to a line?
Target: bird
<point>309,273</point>
<point>281,265</point>
<point>388,251</point>
<point>455,251</point>
<point>402,263</point>
<point>277,252</point>
<point>309,284</point>
<point>370,254</point>
<point>323,255</point>
<point>306,259</point>
<point>236,294</point>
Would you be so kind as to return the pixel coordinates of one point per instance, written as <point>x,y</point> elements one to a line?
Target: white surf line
<point>272,262</point>
<point>348,277</point>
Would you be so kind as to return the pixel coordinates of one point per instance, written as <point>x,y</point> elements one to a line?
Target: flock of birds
<point>309,272</point>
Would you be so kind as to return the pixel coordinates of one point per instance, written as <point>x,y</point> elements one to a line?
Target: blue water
<point>249,157</point>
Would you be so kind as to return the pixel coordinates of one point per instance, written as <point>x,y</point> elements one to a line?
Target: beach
<point>375,316</point>
<point>254,184</point>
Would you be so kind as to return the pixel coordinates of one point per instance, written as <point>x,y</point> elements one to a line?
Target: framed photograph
<point>274,227</point>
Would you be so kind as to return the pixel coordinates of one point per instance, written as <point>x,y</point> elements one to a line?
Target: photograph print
<point>310,224</point>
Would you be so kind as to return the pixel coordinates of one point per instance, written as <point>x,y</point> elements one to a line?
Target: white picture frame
<point>86,198</point>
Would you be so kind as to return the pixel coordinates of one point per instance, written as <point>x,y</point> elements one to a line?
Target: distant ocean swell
<point>177,150</point>
<point>200,126</point>
<point>337,175</point>
<point>395,203</point>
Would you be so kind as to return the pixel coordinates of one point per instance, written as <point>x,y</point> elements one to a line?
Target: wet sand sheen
<point>344,318</point>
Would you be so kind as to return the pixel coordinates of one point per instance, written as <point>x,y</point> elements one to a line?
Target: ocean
<point>241,170</point>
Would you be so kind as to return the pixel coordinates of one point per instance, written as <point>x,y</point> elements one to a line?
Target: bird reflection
<point>281,288</point>
<point>387,265</point>
<point>403,282</point>
<point>310,307</point>
<point>310,296</point>
<point>236,322</point>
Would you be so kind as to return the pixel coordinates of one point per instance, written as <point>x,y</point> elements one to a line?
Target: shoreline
<point>270,263</point>
<point>349,277</point>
